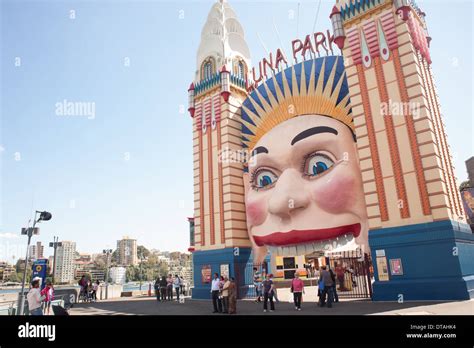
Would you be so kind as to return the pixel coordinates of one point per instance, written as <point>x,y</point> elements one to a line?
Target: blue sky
<point>128,171</point>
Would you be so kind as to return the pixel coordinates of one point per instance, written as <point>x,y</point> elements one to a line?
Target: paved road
<point>149,306</point>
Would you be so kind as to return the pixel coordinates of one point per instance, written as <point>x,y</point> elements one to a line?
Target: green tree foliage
<point>142,252</point>
<point>148,270</point>
<point>464,185</point>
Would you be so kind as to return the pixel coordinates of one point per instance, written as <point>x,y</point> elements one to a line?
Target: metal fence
<point>355,282</point>
<point>353,276</point>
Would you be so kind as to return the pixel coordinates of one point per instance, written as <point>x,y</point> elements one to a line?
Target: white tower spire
<point>222,43</point>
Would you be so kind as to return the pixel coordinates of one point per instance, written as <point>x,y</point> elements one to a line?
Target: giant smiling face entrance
<point>303,189</point>
<point>339,171</point>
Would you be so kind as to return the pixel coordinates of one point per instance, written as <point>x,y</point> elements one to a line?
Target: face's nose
<point>288,195</point>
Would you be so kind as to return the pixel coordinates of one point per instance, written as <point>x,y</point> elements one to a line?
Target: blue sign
<point>39,270</point>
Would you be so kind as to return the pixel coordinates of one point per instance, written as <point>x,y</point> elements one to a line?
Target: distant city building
<point>94,273</point>
<point>65,256</point>
<point>470,170</point>
<point>51,262</point>
<point>127,252</point>
<point>84,257</point>
<point>84,265</point>
<point>5,271</point>
<point>118,275</point>
<point>36,251</point>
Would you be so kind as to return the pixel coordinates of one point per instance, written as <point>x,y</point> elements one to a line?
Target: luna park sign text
<point>316,44</point>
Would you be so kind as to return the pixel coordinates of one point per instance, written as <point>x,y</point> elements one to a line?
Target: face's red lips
<point>306,236</point>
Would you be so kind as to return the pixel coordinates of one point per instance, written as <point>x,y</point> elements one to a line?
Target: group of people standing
<point>327,292</point>
<point>88,292</point>
<point>224,294</point>
<point>165,287</point>
<point>39,301</point>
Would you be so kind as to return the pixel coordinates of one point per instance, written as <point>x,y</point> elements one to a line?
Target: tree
<point>14,277</point>
<point>20,265</point>
<point>142,252</point>
<point>114,257</point>
<point>464,185</point>
<point>99,263</point>
<point>131,273</point>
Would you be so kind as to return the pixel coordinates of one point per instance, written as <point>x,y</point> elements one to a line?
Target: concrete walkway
<point>149,306</point>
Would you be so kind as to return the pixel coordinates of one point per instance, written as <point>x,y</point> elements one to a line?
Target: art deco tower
<point>416,218</point>
<point>215,96</point>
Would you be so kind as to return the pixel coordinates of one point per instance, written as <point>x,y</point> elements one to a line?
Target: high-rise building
<point>65,256</point>
<point>127,252</point>
<point>36,251</point>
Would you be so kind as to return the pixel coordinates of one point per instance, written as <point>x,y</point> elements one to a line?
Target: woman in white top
<point>34,298</point>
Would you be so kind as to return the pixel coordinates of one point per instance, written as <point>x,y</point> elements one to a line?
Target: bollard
<point>149,290</point>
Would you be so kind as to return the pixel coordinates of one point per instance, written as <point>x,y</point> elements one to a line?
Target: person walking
<point>257,283</point>
<point>169,287</point>
<point>340,276</point>
<point>275,292</point>
<point>163,288</point>
<point>225,295</point>
<point>219,299</point>
<point>181,286</point>
<point>215,292</point>
<point>232,296</point>
<point>297,288</point>
<point>34,298</point>
<point>48,293</point>
<point>325,277</point>
<point>334,290</point>
<point>95,288</point>
<point>268,288</point>
<point>83,284</point>
<point>177,286</point>
<point>157,289</point>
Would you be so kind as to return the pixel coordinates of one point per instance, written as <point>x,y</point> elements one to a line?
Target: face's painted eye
<point>317,164</point>
<point>263,179</point>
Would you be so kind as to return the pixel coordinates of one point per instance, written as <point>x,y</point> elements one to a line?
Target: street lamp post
<point>54,244</point>
<point>107,253</point>
<point>141,270</point>
<point>30,231</point>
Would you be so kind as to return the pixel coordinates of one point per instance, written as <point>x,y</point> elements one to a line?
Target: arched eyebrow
<point>312,131</point>
<point>257,150</point>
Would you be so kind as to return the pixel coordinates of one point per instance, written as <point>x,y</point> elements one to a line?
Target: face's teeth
<point>317,246</point>
<point>300,249</point>
<point>289,250</point>
<point>272,250</point>
<point>334,244</point>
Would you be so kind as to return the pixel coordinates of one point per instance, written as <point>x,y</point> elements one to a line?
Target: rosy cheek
<point>256,212</point>
<point>336,194</point>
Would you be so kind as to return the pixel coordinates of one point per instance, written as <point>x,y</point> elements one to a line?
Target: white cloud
<point>8,235</point>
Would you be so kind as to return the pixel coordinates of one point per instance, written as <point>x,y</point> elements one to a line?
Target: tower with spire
<point>215,96</point>
<point>413,203</point>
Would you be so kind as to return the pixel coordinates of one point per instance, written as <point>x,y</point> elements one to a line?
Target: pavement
<point>150,306</point>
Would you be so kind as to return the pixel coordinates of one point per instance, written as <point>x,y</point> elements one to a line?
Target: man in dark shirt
<point>325,276</point>
<point>268,293</point>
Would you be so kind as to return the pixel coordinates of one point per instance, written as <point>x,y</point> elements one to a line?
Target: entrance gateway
<point>357,273</point>
<point>329,165</point>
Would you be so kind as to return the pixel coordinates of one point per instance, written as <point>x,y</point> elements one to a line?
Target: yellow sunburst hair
<point>317,86</point>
